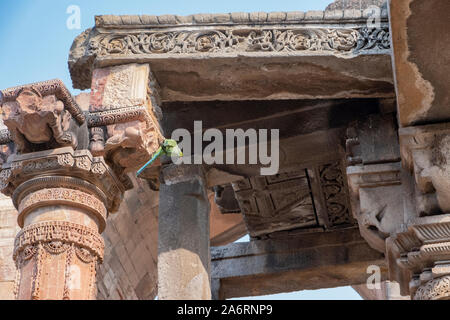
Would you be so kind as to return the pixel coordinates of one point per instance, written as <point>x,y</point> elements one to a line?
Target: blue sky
<point>35,43</point>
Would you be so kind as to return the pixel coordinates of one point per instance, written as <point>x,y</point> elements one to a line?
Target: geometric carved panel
<point>286,201</point>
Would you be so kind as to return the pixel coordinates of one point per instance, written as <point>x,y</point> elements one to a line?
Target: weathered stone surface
<point>375,193</point>
<point>43,114</point>
<point>119,87</point>
<point>8,230</point>
<point>422,71</point>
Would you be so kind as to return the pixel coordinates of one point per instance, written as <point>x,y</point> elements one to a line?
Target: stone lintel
<point>194,52</point>
<point>304,262</point>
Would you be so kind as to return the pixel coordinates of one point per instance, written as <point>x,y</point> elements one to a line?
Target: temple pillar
<point>183,237</point>
<point>65,168</point>
<point>374,177</point>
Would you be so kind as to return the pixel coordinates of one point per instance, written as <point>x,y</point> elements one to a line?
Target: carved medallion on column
<point>62,192</point>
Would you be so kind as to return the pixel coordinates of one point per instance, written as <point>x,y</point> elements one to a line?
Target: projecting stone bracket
<point>374,177</point>
<point>423,249</point>
<point>376,193</point>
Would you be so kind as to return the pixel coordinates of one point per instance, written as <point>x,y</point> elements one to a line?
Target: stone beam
<point>305,262</point>
<point>244,56</point>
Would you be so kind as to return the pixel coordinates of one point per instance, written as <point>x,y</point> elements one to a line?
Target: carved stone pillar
<point>64,193</point>
<point>183,236</point>
<point>63,198</point>
<point>421,247</point>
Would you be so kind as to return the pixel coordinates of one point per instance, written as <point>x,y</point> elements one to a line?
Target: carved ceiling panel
<point>310,198</point>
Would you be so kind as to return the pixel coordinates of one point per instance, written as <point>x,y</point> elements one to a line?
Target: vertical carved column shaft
<point>59,246</point>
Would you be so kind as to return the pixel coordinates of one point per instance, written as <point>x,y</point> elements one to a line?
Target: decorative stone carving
<point>42,116</point>
<point>304,198</point>
<point>332,181</point>
<point>64,166</point>
<point>426,153</point>
<point>274,203</point>
<point>63,198</point>
<point>144,38</point>
<point>62,192</point>
<point>375,192</point>
<point>423,250</point>
<point>42,246</point>
<point>242,40</point>
<point>374,177</point>
<point>120,102</point>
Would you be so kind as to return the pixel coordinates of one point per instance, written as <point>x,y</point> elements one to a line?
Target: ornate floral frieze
<point>302,40</point>
<point>145,38</point>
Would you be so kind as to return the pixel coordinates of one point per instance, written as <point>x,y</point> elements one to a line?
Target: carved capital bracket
<point>65,170</point>
<point>423,249</point>
<point>42,115</point>
<point>376,193</point>
<point>124,128</point>
<point>374,177</point>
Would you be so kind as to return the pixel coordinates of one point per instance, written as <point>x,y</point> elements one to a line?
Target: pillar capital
<point>422,248</point>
